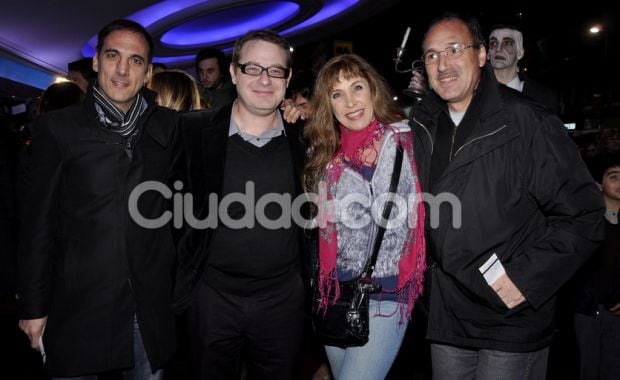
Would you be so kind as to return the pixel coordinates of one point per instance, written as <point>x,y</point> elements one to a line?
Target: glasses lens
<point>256,70</point>
<point>251,69</point>
<point>431,57</point>
<point>454,51</point>
<point>277,72</point>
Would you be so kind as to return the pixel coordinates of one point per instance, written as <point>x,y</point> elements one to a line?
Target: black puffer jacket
<point>526,196</point>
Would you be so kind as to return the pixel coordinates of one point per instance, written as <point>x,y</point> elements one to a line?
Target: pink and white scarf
<point>412,264</point>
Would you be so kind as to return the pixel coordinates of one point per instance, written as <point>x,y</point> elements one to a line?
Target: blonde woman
<point>176,90</point>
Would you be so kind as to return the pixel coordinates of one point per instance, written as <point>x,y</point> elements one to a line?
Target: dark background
<point>559,50</point>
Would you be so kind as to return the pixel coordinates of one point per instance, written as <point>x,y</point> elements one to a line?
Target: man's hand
<point>507,291</point>
<point>34,329</point>
<point>290,113</point>
<point>615,311</point>
<point>417,83</point>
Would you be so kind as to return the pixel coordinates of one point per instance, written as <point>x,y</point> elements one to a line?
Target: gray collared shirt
<point>258,141</point>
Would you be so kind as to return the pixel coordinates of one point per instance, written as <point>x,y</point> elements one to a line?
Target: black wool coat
<point>83,261</point>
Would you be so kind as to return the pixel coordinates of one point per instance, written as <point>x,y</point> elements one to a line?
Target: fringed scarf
<point>412,264</point>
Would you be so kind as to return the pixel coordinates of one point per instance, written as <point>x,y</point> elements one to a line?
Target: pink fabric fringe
<point>412,264</point>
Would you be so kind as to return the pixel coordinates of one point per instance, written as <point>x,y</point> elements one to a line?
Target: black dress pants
<point>263,330</point>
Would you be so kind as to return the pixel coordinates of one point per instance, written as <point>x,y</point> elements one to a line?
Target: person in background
<point>353,137</point>
<point>588,147</point>
<point>95,284</point>
<point>300,92</point>
<point>505,52</point>
<point>56,96</point>
<point>247,306</point>
<point>516,212</point>
<point>60,95</point>
<point>212,71</point>
<point>597,286</point>
<point>609,141</point>
<point>176,90</point>
<point>81,72</point>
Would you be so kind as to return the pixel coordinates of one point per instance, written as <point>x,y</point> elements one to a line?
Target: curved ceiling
<point>56,33</point>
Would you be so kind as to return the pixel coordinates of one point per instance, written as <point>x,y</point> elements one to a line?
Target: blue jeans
<point>373,360</point>
<point>451,362</point>
<point>141,369</point>
<point>597,339</point>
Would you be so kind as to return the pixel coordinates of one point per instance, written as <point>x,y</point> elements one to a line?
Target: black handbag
<point>344,323</point>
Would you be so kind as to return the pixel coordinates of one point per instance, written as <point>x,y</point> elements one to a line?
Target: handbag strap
<point>387,209</point>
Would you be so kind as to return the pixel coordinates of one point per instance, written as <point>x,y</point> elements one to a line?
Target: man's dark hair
<point>472,25</point>
<point>263,35</point>
<point>213,53</point>
<point>602,163</point>
<point>84,66</point>
<point>302,83</point>
<point>123,24</point>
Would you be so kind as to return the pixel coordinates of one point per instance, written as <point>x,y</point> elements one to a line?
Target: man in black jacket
<point>525,212</point>
<point>94,285</point>
<point>248,303</point>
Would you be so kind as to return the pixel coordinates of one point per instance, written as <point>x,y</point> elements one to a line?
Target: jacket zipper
<point>477,138</point>
<point>427,133</point>
<point>452,139</point>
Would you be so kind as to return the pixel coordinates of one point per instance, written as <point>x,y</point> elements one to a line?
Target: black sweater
<point>254,257</point>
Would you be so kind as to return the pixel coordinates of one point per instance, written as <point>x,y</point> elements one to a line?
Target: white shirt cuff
<point>492,269</point>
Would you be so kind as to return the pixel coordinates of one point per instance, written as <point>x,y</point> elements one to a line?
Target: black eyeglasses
<point>453,51</point>
<point>256,70</point>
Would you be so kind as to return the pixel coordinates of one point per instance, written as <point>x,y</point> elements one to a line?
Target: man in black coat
<point>94,285</point>
<point>244,170</point>
<point>524,212</point>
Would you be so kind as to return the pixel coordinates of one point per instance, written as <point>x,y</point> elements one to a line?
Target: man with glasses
<point>505,52</point>
<point>248,303</point>
<point>528,213</point>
